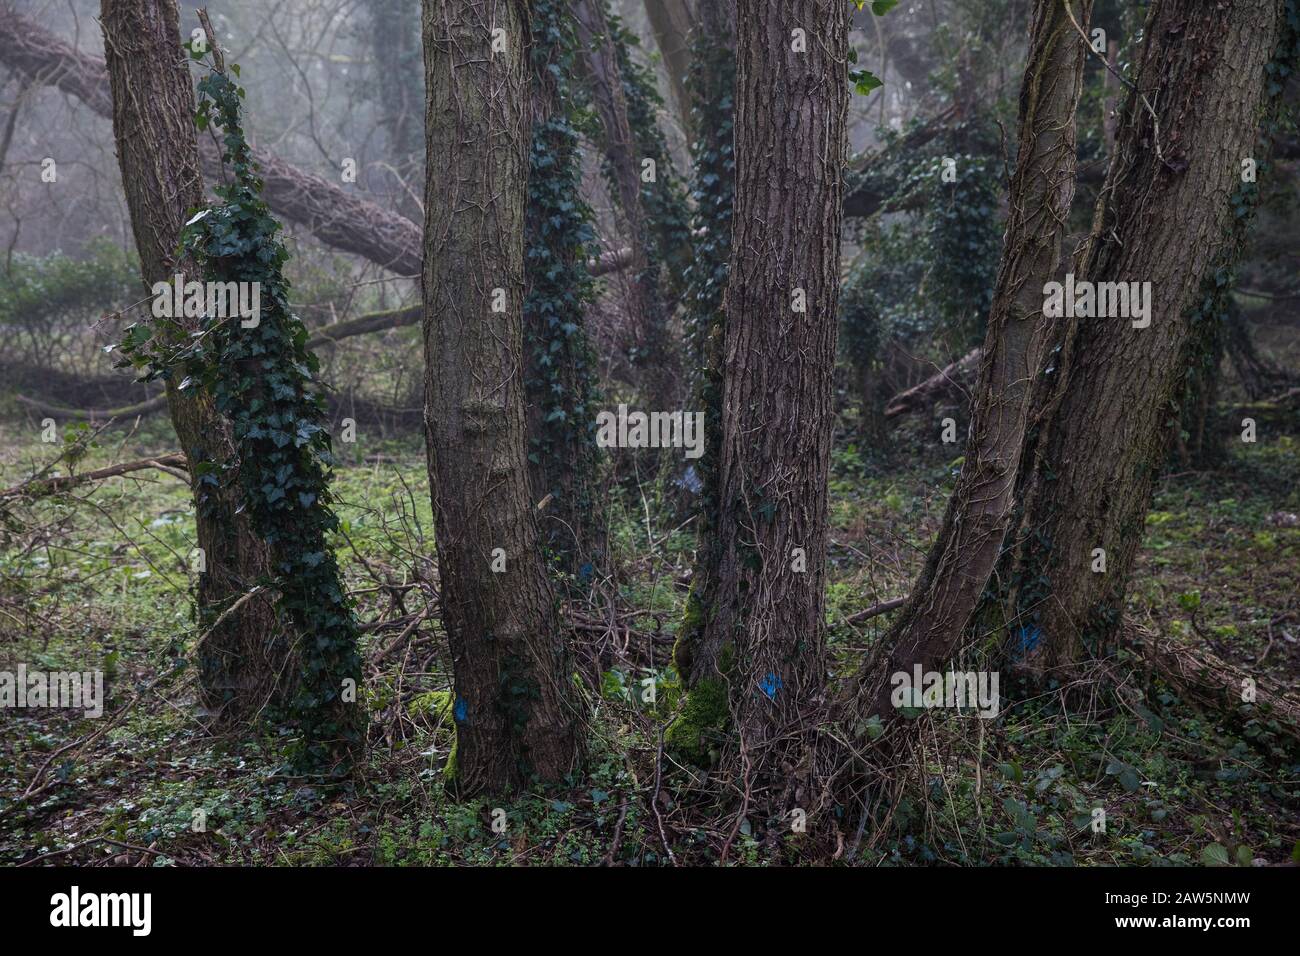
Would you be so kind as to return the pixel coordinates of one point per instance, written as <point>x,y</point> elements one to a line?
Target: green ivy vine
<point>664,201</point>
<point>264,380</point>
<point>561,381</point>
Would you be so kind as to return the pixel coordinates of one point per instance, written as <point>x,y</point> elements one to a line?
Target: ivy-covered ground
<point>105,586</point>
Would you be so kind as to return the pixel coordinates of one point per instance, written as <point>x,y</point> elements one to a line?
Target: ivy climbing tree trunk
<point>517,717</point>
<point>560,384</point>
<point>764,635</point>
<point>654,355</point>
<point>1172,213</point>
<point>1017,347</point>
<point>241,662</point>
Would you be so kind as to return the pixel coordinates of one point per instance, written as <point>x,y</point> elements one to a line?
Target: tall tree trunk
<point>764,637</point>
<point>1172,213</point>
<point>654,354</point>
<point>399,100</point>
<point>517,718</point>
<point>560,385</point>
<point>713,91</point>
<point>1016,349</point>
<point>242,662</point>
<point>672,22</point>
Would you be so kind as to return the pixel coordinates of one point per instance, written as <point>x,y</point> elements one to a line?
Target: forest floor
<point>107,587</point>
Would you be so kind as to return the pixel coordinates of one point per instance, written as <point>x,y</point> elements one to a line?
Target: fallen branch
<point>36,487</point>
<point>950,381</point>
<point>884,607</point>
<point>1207,680</point>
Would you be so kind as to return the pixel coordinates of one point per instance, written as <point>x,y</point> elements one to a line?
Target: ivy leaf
<point>864,81</point>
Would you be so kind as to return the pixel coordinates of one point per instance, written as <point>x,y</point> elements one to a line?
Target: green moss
<point>438,704</point>
<point>702,719</point>
<point>691,625</point>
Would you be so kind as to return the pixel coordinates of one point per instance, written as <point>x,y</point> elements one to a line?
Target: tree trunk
<point>1200,444</point>
<point>1016,349</point>
<point>399,99</point>
<point>652,340</point>
<point>242,662</point>
<point>764,634</point>
<point>672,23</point>
<point>713,92</point>
<point>1170,213</point>
<point>517,717</point>
<point>561,383</point>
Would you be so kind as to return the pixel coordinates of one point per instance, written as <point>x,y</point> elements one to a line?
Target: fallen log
<point>951,381</point>
<point>1201,677</point>
<point>335,216</point>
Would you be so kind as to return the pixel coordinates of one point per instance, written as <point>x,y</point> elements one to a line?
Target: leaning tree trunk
<point>1171,213</point>
<point>672,23</point>
<point>764,637</point>
<point>242,660</point>
<point>517,717</point>
<point>1016,349</point>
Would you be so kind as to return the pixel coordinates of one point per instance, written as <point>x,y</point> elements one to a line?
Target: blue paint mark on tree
<point>1029,637</point>
<point>461,710</point>
<point>769,685</point>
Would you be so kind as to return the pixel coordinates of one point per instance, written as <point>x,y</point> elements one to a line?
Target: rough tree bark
<point>713,89</point>
<point>764,634</point>
<point>1016,348</point>
<point>241,661</point>
<point>1167,216</point>
<point>516,715</point>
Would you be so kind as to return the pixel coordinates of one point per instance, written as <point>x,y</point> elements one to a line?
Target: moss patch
<point>703,719</point>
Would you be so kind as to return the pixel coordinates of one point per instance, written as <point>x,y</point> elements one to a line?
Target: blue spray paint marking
<point>1029,638</point>
<point>461,710</point>
<point>585,572</point>
<point>769,685</point>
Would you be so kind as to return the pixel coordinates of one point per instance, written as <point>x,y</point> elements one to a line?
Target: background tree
<point>560,385</point>
<point>1016,348</point>
<point>605,60</point>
